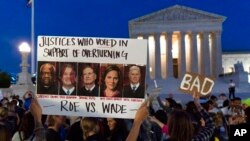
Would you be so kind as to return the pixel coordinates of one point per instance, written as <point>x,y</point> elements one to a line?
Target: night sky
<point>105,18</point>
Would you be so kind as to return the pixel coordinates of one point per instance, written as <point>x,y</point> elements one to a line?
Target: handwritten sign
<point>61,72</point>
<point>93,50</point>
<point>194,83</point>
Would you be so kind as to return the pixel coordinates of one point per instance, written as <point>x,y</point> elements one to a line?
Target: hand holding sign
<point>197,101</point>
<point>153,94</point>
<point>142,112</point>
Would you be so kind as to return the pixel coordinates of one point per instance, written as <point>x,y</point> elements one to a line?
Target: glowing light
<point>24,47</point>
<point>175,45</point>
<point>140,37</point>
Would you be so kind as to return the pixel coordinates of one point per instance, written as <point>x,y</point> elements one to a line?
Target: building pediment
<point>179,13</point>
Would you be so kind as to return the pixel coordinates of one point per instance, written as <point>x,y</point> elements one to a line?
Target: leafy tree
<point>5,80</point>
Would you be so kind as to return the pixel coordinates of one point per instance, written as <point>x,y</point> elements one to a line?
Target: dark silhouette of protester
<point>180,125</point>
<point>75,132</point>
<point>54,124</point>
<point>231,89</point>
<point>25,131</point>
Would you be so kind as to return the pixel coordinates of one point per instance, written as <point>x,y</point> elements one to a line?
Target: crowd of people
<point>21,119</point>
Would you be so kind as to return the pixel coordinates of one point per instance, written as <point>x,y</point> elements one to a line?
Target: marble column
<point>218,53</point>
<point>157,56</point>
<point>169,55</point>
<point>144,36</point>
<point>182,56</point>
<point>201,54</point>
<point>213,55</point>
<point>206,57</point>
<point>194,54</point>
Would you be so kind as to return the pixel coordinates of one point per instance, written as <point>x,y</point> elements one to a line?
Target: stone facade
<point>181,39</point>
<point>229,59</point>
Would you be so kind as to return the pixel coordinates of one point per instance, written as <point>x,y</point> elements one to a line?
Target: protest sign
<point>85,76</point>
<point>195,83</point>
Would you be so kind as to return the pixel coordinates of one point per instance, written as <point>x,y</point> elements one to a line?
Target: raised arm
<point>36,111</point>
<point>206,132</point>
<point>140,116</point>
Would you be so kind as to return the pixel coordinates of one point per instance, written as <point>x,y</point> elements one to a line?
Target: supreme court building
<point>180,40</point>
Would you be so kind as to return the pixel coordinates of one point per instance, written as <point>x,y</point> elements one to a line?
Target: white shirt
<point>16,137</point>
<point>134,85</point>
<point>90,88</point>
<point>70,90</point>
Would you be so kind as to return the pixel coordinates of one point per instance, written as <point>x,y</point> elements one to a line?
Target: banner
<point>85,76</point>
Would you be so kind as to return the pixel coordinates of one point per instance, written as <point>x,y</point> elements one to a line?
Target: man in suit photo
<point>135,89</point>
<point>89,86</point>
<point>68,80</point>
<point>47,83</point>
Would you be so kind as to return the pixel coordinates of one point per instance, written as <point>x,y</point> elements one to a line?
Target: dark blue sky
<point>105,18</point>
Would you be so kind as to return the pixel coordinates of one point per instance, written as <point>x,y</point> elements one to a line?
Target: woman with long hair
<point>26,128</point>
<point>118,129</point>
<point>90,127</point>
<point>111,82</point>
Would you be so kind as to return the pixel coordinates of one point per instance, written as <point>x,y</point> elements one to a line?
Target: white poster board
<point>57,53</point>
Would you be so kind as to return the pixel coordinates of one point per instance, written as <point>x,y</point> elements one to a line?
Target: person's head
<point>225,103</point>
<point>47,74</point>
<point>213,98</point>
<point>134,74</point>
<point>117,126</point>
<point>11,106</point>
<point>3,113</point>
<point>209,105</point>
<point>170,102</point>
<point>111,77</point>
<point>180,126</point>
<point>161,115</point>
<point>170,95</point>
<point>111,123</point>
<point>27,125</point>
<point>55,120</point>
<point>222,96</point>
<point>4,101</point>
<point>68,75</point>
<point>236,102</point>
<point>191,108</point>
<point>88,76</point>
<point>89,126</point>
<point>217,118</point>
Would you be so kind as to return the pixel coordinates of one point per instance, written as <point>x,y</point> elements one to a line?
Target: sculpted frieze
<point>178,14</point>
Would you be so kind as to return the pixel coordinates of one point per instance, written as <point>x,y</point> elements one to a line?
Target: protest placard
<point>86,76</point>
<point>194,83</point>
